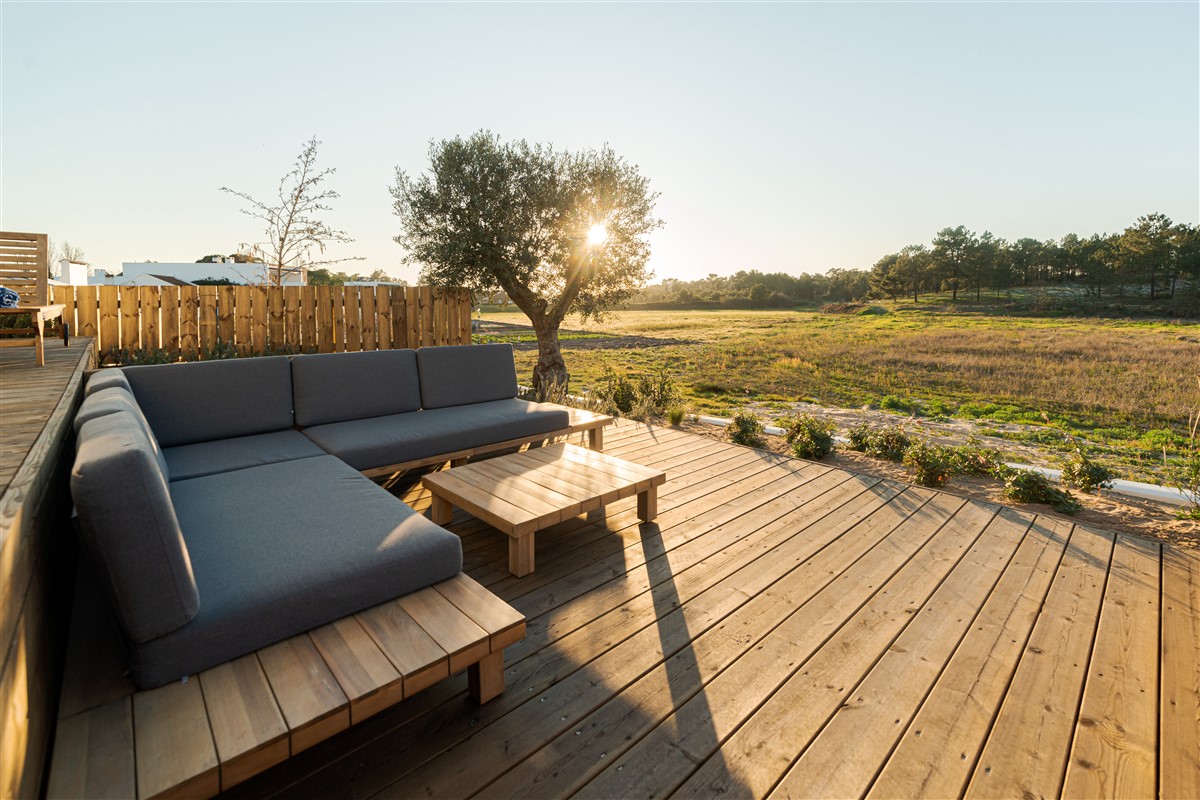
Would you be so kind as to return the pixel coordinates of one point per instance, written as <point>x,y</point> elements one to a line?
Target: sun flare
<point>597,234</point>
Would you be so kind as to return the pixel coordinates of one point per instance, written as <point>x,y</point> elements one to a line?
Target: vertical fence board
<point>366,299</point>
<point>258,320</point>
<point>453,317</point>
<point>337,319</point>
<point>189,321</point>
<point>168,298</point>
<point>412,312</point>
<point>110,319</point>
<point>350,313</point>
<point>129,317</point>
<point>291,316</point>
<point>383,315</point>
<point>399,317</point>
<point>148,317</point>
<point>208,318</point>
<point>275,323</point>
<point>226,310</point>
<point>65,296</point>
<point>426,303</point>
<point>86,315</point>
<point>468,307</point>
<point>308,325</point>
<point>324,319</point>
<point>242,319</point>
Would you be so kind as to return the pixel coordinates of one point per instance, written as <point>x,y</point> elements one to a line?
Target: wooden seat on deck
<point>216,729</point>
<point>25,268</point>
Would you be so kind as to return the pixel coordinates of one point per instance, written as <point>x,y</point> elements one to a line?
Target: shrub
<point>615,390</point>
<point>929,463</point>
<point>658,389</point>
<point>642,410</point>
<point>889,442</point>
<point>746,428</point>
<point>898,404</point>
<point>809,436</point>
<point>675,415</point>
<point>973,458</point>
<point>1084,474</point>
<point>1034,487</point>
<point>859,437</point>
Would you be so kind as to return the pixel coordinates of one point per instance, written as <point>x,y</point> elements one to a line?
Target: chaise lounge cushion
<point>383,441</point>
<point>130,527</point>
<point>283,548</point>
<point>110,401</point>
<point>107,379</point>
<point>462,374</point>
<point>209,400</point>
<point>224,455</point>
<point>332,387</point>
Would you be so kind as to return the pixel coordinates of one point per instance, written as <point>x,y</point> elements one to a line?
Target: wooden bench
<point>216,729</point>
<point>522,493</point>
<point>25,268</point>
<point>579,422</point>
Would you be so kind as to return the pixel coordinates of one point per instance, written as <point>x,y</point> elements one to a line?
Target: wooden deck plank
<point>1179,737</point>
<point>247,725</point>
<point>1026,751</point>
<point>313,704</point>
<point>93,754</point>
<point>939,748</point>
<point>1115,749</point>
<point>856,741</point>
<point>175,752</point>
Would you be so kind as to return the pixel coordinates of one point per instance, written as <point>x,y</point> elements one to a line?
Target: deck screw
<point>578,732</point>
<point>604,755</point>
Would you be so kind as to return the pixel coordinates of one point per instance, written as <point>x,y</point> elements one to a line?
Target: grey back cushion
<point>334,387</point>
<point>128,524</point>
<point>205,400</point>
<point>111,401</point>
<point>470,373</point>
<point>107,379</point>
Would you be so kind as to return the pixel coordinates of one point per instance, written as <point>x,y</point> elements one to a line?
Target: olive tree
<point>559,232</point>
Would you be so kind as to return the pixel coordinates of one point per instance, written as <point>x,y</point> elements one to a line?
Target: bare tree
<point>293,230</point>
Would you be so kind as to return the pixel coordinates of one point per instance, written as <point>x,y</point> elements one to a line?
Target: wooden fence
<point>194,321</point>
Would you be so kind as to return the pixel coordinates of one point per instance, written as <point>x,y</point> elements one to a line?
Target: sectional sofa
<point>224,503</point>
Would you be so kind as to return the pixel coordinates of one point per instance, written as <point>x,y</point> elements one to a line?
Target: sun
<point>597,234</point>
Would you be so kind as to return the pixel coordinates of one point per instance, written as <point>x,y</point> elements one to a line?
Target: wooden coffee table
<point>522,493</point>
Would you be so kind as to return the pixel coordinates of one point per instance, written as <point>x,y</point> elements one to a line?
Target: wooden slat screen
<point>200,321</point>
<point>25,265</point>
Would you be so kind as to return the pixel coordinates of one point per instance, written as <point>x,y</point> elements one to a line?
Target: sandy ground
<point>1114,512</point>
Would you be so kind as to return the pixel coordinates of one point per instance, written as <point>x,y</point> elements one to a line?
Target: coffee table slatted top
<point>522,493</point>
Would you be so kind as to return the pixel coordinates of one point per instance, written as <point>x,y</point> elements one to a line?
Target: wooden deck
<point>786,630</point>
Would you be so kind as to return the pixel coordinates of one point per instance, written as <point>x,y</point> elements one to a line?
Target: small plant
<point>746,428</point>
<point>809,436</point>
<point>658,389</point>
<point>643,409</point>
<point>675,415</point>
<point>859,437</point>
<point>1034,487</point>
<point>616,390</point>
<point>1084,474</point>
<point>973,458</point>
<point>890,442</point>
<point>929,463</point>
<point>1187,473</point>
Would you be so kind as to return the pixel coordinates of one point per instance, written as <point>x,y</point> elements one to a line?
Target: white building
<point>192,272</point>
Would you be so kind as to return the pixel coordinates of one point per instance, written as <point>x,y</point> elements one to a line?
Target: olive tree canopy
<point>558,231</point>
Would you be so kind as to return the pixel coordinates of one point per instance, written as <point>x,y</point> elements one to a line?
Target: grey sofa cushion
<point>383,441</point>
<point>225,455</point>
<point>205,400</point>
<point>469,373</point>
<point>284,548</point>
<point>332,387</point>
<point>110,401</point>
<point>107,379</point>
<point>129,526</point>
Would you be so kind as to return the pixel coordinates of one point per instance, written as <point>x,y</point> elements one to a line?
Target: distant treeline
<point>1154,261</point>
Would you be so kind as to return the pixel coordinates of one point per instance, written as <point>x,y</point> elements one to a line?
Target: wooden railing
<point>196,321</point>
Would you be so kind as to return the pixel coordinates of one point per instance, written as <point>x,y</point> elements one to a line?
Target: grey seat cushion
<point>107,379</point>
<point>205,400</point>
<point>462,374</point>
<point>111,400</point>
<point>283,548</point>
<point>225,455</point>
<point>332,387</point>
<point>129,525</point>
<point>383,441</point>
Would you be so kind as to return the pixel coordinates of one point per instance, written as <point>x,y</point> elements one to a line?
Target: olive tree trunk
<point>550,375</point>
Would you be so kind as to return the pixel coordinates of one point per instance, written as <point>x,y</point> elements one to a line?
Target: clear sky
<point>792,137</point>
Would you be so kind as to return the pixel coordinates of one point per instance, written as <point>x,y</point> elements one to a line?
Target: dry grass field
<point>1124,387</point>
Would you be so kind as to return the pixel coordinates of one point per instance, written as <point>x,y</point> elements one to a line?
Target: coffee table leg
<point>485,680</point>
<point>596,439</point>
<point>520,555</point>
<point>648,504</point>
<point>441,511</point>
